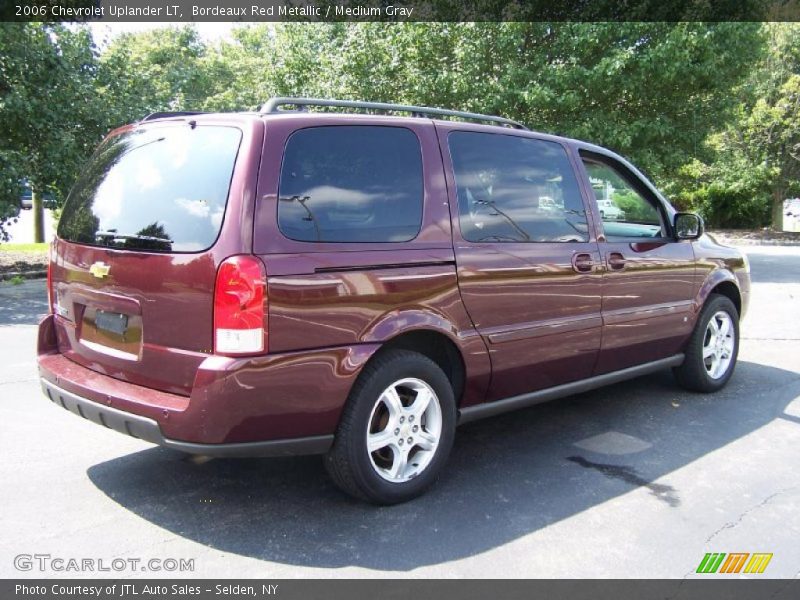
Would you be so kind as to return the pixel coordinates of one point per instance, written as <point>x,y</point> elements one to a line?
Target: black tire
<point>349,463</point>
<point>692,374</point>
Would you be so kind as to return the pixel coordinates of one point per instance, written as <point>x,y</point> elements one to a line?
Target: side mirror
<point>688,226</point>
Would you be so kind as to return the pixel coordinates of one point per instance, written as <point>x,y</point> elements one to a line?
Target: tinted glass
<point>351,184</point>
<point>162,189</point>
<point>514,189</point>
<point>624,211</point>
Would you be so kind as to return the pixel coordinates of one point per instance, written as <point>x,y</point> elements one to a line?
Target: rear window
<point>351,184</point>
<point>161,189</point>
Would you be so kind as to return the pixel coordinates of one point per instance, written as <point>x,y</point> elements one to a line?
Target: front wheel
<point>396,431</point>
<point>713,348</point>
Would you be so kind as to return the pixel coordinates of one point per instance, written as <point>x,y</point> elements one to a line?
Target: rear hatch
<point>134,265</point>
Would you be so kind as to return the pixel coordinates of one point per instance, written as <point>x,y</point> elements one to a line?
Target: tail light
<point>50,298</point>
<point>240,306</point>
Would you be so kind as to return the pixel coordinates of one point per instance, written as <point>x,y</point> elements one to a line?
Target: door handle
<point>616,262</point>
<point>582,262</point>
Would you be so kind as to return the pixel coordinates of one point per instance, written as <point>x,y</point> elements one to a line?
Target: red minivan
<point>301,281</point>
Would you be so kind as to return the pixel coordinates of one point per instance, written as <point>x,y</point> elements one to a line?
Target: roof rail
<point>167,115</point>
<point>273,106</point>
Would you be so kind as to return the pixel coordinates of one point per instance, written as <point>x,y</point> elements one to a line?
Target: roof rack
<point>273,106</point>
<point>166,115</point>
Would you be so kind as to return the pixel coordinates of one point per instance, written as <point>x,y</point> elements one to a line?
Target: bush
<point>734,194</point>
<point>635,211</point>
<point>729,206</point>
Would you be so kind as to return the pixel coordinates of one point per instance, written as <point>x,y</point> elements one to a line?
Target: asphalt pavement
<point>639,479</point>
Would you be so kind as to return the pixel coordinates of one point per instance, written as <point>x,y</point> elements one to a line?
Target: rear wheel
<point>713,348</point>
<point>396,431</point>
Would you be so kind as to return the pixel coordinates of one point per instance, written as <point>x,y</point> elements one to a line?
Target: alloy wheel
<point>718,344</point>
<point>404,430</point>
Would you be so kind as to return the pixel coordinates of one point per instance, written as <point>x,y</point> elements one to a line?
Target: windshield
<point>162,189</point>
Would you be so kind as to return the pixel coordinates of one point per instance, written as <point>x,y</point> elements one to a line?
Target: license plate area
<point>110,332</point>
<point>112,322</point>
<point>102,323</point>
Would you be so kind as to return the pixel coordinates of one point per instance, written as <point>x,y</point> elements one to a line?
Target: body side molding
<point>490,409</point>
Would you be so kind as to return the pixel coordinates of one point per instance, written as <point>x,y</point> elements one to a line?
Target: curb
<point>732,237</point>
<point>747,242</point>
<point>41,274</point>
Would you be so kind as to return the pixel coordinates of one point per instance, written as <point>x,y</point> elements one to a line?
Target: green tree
<point>653,91</point>
<point>774,127</point>
<point>151,71</point>
<point>754,161</point>
<point>261,61</point>
<point>47,122</point>
<point>769,133</point>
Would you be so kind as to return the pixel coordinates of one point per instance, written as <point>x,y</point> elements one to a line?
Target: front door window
<point>625,212</point>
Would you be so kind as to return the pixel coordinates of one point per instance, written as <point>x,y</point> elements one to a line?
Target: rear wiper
<point>110,236</point>
<point>125,236</point>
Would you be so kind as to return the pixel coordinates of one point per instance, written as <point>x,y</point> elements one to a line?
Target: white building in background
<point>21,232</point>
<point>791,214</point>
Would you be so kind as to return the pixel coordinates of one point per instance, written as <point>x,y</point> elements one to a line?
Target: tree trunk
<point>38,217</point>
<point>777,210</point>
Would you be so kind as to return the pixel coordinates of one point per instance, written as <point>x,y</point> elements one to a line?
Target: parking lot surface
<point>639,479</point>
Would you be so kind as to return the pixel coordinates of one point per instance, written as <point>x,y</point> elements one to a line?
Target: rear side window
<point>515,189</point>
<point>162,189</point>
<point>351,184</point>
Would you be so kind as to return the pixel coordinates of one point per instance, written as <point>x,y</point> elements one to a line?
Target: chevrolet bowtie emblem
<point>99,269</point>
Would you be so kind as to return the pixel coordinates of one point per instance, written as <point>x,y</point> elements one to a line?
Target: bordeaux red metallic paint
<point>233,399</point>
<point>522,316</point>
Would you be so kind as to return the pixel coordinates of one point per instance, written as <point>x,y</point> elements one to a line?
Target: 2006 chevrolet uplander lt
<point>356,285</point>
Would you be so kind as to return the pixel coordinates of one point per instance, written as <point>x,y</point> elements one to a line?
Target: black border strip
<point>707,587</point>
<point>185,11</point>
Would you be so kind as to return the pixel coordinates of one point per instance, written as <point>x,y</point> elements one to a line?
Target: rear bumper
<point>257,406</point>
<point>149,430</point>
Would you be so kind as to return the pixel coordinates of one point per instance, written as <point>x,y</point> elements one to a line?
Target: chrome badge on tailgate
<point>99,269</point>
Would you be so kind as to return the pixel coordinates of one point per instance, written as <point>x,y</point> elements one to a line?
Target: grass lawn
<point>36,248</point>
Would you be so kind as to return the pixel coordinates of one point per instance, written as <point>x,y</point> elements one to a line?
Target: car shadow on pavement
<point>507,477</point>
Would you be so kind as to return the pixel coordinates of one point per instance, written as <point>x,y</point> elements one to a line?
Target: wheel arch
<point>438,347</point>
<point>447,339</point>
<point>723,282</point>
<point>731,291</point>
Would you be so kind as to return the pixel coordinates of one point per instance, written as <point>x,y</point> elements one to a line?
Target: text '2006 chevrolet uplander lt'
<point>299,281</point>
